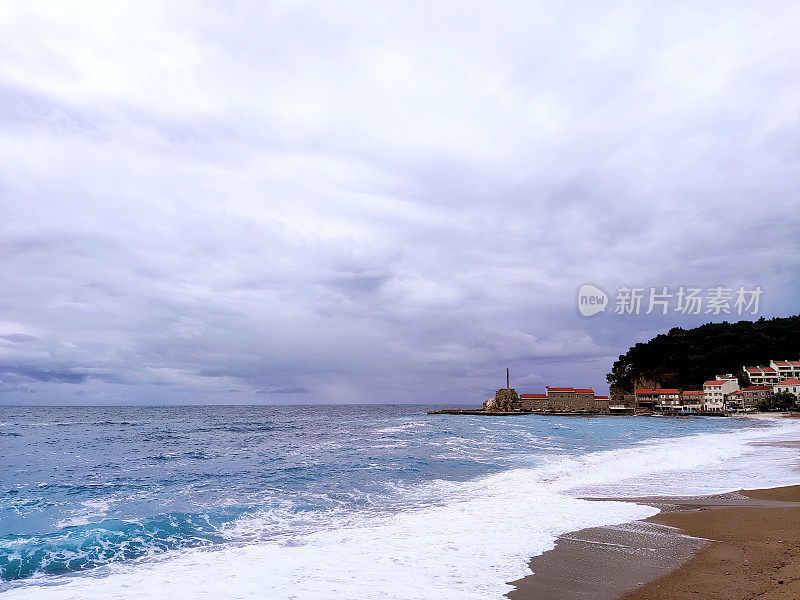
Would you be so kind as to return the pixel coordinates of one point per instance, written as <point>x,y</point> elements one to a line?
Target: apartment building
<point>691,401</point>
<point>667,399</point>
<point>777,371</point>
<point>715,391</point>
<point>734,402</point>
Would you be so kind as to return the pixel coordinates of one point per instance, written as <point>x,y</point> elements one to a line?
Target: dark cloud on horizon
<point>299,203</point>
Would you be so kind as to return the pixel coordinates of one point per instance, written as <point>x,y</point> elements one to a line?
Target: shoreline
<point>734,545</point>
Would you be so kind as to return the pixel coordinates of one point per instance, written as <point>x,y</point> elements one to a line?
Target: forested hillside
<point>685,358</point>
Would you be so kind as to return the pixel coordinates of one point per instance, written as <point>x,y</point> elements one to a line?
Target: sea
<point>336,502</point>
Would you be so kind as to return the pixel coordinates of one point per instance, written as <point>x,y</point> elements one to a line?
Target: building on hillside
<point>668,399</point>
<point>752,395</point>
<point>788,385</point>
<point>777,371</point>
<point>645,399</point>
<point>761,375</point>
<point>691,401</point>
<point>786,369</point>
<point>714,392</point>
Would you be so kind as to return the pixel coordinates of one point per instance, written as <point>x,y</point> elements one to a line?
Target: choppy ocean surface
<point>335,502</point>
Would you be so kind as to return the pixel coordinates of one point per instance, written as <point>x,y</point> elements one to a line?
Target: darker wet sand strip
<point>729,546</point>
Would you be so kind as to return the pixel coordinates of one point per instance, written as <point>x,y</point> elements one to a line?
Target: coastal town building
<point>791,386</point>
<point>668,399</point>
<point>734,402</point>
<point>777,371</point>
<point>622,404</point>
<point>786,369</point>
<point>646,399</point>
<point>565,399</point>
<point>715,391</point>
<point>753,395</point>
<point>535,402</point>
<point>691,401</point>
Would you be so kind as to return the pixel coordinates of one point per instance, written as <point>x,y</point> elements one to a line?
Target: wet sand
<point>729,546</point>
<point>755,552</point>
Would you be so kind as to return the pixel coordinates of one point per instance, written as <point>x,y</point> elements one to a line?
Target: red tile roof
<point>795,363</point>
<point>768,369</point>
<point>584,391</point>
<point>789,382</point>
<point>601,397</point>
<point>781,363</point>
<point>756,388</point>
<point>549,389</point>
<point>644,391</point>
<point>736,393</point>
<point>691,392</point>
<point>713,383</point>
<point>753,370</point>
<point>667,391</point>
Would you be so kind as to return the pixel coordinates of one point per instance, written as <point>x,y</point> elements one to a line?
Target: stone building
<point>754,394</point>
<point>565,400</point>
<point>621,404</point>
<point>534,402</point>
<point>646,399</point>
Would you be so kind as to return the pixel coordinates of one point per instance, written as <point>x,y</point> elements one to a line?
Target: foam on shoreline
<point>444,539</point>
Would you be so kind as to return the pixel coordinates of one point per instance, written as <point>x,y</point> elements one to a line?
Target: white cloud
<point>302,197</point>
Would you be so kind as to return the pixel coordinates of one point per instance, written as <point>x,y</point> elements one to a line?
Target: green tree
<point>744,378</point>
<point>783,401</point>
<point>779,401</point>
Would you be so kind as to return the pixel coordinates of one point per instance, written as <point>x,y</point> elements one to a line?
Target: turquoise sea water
<point>96,500</point>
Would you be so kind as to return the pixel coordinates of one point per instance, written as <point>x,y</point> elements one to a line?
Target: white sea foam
<point>90,511</point>
<point>400,428</point>
<point>448,540</point>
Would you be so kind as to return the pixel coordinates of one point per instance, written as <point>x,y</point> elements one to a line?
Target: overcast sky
<point>222,202</point>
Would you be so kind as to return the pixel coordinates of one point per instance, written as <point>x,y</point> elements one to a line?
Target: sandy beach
<point>733,546</point>
<point>754,552</point>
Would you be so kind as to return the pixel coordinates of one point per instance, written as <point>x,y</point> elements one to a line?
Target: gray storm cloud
<point>388,202</point>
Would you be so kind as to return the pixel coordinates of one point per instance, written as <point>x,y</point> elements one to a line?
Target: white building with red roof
<point>777,371</point>
<point>715,391</point>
